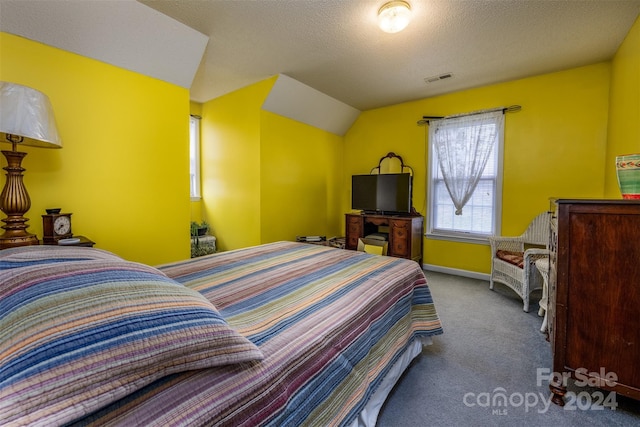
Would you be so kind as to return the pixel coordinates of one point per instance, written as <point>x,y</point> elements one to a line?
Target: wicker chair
<point>513,258</point>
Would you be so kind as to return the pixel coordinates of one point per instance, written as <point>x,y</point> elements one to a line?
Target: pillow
<point>78,335</point>
<point>29,255</point>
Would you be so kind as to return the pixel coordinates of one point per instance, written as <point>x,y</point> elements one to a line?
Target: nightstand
<point>85,242</point>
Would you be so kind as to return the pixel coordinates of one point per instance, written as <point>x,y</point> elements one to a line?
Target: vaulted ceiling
<point>333,46</point>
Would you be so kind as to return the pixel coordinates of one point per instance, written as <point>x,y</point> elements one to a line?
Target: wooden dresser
<point>594,295</point>
<point>405,233</point>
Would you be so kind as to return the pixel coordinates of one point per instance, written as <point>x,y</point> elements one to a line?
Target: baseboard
<point>456,272</point>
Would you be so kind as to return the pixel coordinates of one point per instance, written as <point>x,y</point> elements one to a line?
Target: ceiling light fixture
<point>394,16</point>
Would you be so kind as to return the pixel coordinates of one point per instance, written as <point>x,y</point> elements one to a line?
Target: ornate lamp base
<point>15,202</point>
<point>14,241</point>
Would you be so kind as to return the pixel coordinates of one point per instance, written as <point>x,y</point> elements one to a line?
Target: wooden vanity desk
<point>405,232</point>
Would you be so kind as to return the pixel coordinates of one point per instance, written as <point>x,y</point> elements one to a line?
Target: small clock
<point>56,227</point>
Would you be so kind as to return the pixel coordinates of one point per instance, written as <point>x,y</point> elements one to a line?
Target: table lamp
<point>26,118</point>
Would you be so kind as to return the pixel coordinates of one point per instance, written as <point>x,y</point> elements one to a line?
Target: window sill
<point>460,238</point>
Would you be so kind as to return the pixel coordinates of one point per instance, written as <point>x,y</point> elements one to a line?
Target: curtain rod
<point>510,109</point>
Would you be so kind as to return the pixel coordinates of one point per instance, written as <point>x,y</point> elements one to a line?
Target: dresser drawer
<point>354,230</point>
<point>400,238</point>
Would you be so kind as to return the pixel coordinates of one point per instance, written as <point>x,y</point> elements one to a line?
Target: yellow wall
<point>553,147</point>
<point>195,108</point>
<point>124,168</point>
<point>230,160</point>
<point>300,181</point>
<point>265,177</point>
<point>624,107</point>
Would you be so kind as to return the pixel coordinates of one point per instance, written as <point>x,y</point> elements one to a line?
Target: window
<point>194,156</point>
<point>470,148</point>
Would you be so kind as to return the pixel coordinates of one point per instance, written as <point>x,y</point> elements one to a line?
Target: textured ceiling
<point>333,46</point>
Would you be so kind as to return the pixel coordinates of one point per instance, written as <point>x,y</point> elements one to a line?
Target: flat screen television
<point>384,193</point>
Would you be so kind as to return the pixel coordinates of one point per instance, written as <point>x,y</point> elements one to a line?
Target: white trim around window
<point>194,158</point>
<point>481,216</point>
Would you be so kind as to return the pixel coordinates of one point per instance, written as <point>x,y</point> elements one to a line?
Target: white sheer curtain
<point>463,145</point>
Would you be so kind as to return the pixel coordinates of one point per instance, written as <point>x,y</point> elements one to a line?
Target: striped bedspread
<point>329,322</point>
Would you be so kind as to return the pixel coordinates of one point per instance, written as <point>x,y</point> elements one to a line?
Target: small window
<point>194,156</point>
<point>480,216</point>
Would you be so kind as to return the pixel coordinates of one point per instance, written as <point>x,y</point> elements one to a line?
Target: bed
<point>281,334</point>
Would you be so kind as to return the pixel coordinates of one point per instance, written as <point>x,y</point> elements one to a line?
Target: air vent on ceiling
<point>434,79</point>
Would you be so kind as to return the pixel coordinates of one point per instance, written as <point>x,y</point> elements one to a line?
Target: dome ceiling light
<point>394,16</point>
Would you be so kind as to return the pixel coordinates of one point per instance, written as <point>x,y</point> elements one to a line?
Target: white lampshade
<point>27,113</point>
<point>394,16</point>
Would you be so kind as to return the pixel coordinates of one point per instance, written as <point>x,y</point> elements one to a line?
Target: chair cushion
<point>515,258</point>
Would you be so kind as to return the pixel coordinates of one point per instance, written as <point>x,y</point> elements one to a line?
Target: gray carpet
<point>489,346</point>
